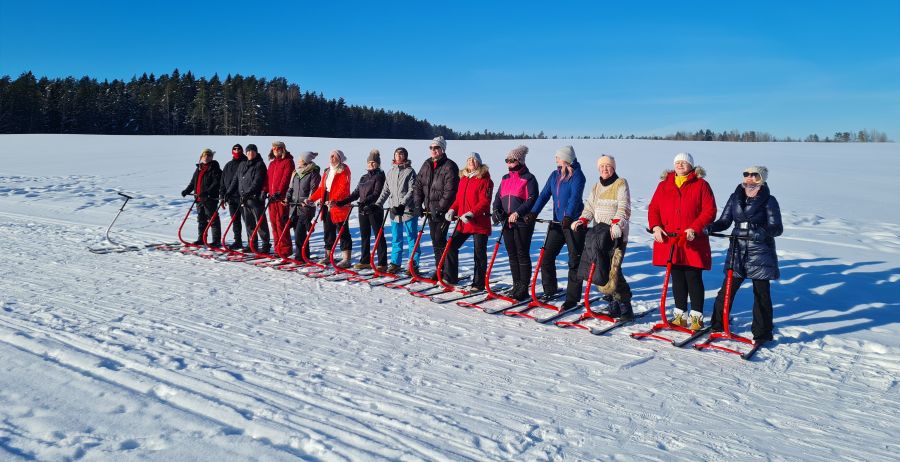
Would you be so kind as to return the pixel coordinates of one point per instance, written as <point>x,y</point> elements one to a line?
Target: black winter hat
<point>252,147</point>
<point>237,146</point>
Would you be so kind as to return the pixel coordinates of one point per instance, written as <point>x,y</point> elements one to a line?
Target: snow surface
<point>164,356</point>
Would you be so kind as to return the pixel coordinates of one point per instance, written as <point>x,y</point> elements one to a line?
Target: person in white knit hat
<point>680,209</point>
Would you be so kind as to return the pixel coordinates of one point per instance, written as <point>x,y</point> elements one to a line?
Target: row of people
<point>681,214</point>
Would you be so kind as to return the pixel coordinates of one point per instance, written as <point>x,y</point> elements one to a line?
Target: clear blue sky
<point>574,68</point>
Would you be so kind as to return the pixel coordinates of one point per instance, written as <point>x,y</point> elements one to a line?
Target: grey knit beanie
<point>567,154</point>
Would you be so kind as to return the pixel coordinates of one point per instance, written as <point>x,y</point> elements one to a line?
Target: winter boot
<point>696,320</point>
<point>235,246</point>
<point>198,242</point>
<point>393,269</point>
<point>626,310</point>
<point>324,260</point>
<point>361,265</point>
<point>381,268</point>
<point>679,319</point>
<point>615,310</point>
<point>522,294</point>
<point>345,261</point>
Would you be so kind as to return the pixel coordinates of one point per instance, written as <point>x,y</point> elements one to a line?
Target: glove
<point>451,214</point>
<point>275,197</point>
<point>398,210</point>
<point>342,203</point>
<point>185,192</point>
<point>530,217</point>
<point>578,223</point>
<point>498,216</point>
<point>759,234</point>
<point>707,230</point>
<point>466,217</point>
<point>615,231</point>
<point>567,222</point>
<point>371,208</point>
<point>418,212</point>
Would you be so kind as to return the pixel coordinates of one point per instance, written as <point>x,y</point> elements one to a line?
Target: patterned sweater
<point>607,203</point>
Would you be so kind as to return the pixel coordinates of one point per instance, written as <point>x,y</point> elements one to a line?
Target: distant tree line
<point>182,104</point>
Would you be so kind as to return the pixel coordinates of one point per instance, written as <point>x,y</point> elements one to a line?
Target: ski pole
<point>127,198</point>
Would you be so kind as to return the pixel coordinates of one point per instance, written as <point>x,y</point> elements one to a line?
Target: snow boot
<point>361,265</point>
<point>393,269</point>
<point>679,319</point>
<point>614,309</point>
<point>345,261</point>
<point>235,246</point>
<point>696,320</point>
<point>627,313</point>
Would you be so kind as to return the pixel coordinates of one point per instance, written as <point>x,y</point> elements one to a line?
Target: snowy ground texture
<point>164,356</point>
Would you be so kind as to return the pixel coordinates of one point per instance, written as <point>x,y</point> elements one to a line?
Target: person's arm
<point>543,197</point>
<point>578,182</point>
<point>725,219</point>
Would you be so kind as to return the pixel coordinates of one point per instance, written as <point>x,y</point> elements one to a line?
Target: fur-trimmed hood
<point>481,172</point>
<point>698,171</point>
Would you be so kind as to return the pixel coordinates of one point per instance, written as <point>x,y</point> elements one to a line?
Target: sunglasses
<point>752,175</point>
<point>512,161</point>
<point>235,149</point>
<point>435,148</point>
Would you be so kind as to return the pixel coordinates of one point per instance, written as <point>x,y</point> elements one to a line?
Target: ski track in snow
<point>169,356</point>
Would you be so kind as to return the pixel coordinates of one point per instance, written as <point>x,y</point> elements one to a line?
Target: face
<point>278,150</point>
<point>560,162</point>
<point>471,164</point>
<point>511,163</point>
<point>682,168</point>
<point>606,170</point>
<point>237,151</point>
<point>398,157</point>
<point>206,158</point>
<point>371,165</point>
<point>335,159</point>
<point>752,178</point>
<point>251,154</point>
<point>436,152</point>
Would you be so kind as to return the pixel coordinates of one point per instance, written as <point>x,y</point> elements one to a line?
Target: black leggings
<point>687,280</point>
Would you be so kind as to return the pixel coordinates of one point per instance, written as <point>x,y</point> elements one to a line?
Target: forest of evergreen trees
<point>182,104</point>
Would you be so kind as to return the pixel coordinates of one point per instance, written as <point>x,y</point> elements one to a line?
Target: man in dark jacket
<point>370,214</point>
<point>229,192</point>
<point>436,185</point>
<point>205,185</point>
<point>252,180</point>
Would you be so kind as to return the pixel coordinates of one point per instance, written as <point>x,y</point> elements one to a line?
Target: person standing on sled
<point>473,208</point>
<point>398,187</point>
<point>304,181</point>
<point>566,187</point>
<point>757,222</point>
<point>229,192</point>
<point>205,184</point>
<point>252,186</point>
<point>517,194</point>
<point>279,176</point>
<point>683,204</point>
<point>370,213</point>
<point>435,189</point>
<point>334,187</point>
<point>609,208</point>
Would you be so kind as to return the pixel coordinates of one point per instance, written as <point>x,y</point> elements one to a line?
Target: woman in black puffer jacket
<point>757,221</point>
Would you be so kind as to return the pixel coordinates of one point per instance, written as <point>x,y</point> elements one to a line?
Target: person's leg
<point>202,221</point>
<point>377,218</point>
<point>718,317</point>
<point>451,261</point>
<point>365,235</point>
<point>234,206</point>
<point>554,244</point>
<point>216,239</point>
<point>680,293</point>
<point>575,245</point>
<point>697,294</point>
<point>397,243</point>
<point>480,242</point>
<point>249,213</point>
<point>411,229</point>
<point>330,231</point>
<point>510,243</point>
<point>438,227</point>
<point>300,227</point>
<point>762,311</point>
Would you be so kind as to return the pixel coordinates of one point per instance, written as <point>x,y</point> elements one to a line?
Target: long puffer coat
<point>758,221</point>
<point>474,195</point>
<point>692,206</point>
<point>279,175</point>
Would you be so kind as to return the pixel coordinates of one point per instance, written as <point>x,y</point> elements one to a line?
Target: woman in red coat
<point>335,186</point>
<point>279,179</point>
<point>473,207</point>
<point>683,204</point>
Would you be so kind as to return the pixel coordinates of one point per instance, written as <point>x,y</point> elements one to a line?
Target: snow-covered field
<point>163,356</point>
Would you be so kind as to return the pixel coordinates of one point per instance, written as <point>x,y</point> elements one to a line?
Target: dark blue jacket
<point>567,195</point>
<point>759,220</point>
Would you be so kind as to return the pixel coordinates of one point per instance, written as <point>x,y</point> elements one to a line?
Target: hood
<point>480,172</point>
<point>699,172</point>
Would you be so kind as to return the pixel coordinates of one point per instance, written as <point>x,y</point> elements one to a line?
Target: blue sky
<point>570,69</point>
